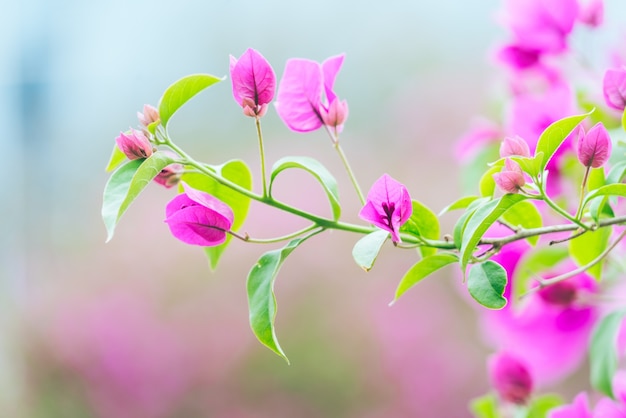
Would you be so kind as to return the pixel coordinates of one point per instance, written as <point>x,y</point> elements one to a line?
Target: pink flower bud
<point>594,148</point>
<point>254,82</point>
<point>150,115</point>
<point>170,175</point>
<point>511,178</point>
<point>514,146</point>
<point>510,378</point>
<point>336,114</point>
<point>134,144</point>
<point>614,87</point>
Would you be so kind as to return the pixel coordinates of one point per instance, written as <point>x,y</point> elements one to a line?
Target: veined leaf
<point>487,185</point>
<point>461,203</point>
<point>181,92</point>
<point>486,283</point>
<point>117,157</point>
<point>323,176</point>
<point>423,269</point>
<point>367,248</point>
<point>261,298</point>
<point>125,185</point>
<point>617,189</point>
<point>554,135</point>
<point>422,223</point>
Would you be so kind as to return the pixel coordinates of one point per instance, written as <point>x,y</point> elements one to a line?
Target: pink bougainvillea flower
<point>300,103</point>
<point>150,115</point>
<point>197,218</point>
<point>170,175</point>
<point>511,178</point>
<point>577,409</point>
<point>510,378</point>
<point>594,147</point>
<point>388,206</point>
<point>134,144</point>
<point>541,25</point>
<point>592,13</point>
<point>614,87</point>
<point>254,82</point>
<point>519,57</point>
<point>514,146</point>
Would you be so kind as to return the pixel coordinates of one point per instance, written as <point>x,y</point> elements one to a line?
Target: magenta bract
<point>254,82</point>
<point>514,146</point>
<point>197,218</point>
<point>577,409</point>
<point>388,206</point>
<point>594,148</point>
<point>510,377</point>
<point>299,99</point>
<point>614,87</point>
<point>134,144</point>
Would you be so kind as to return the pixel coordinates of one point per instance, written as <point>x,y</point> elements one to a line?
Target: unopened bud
<point>170,175</point>
<point>514,146</point>
<point>336,114</point>
<point>511,178</point>
<point>614,88</point>
<point>594,148</point>
<point>510,378</point>
<point>150,115</point>
<point>134,144</point>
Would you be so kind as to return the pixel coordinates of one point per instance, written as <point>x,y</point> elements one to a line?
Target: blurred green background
<point>140,327</point>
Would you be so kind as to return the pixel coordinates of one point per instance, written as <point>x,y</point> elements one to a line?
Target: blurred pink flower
<point>300,104</point>
<point>592,13</point>
<point>510,378</point>
<point>594,147</point>
<point>197,218</point>
<point>388,206</point>
<point>577,409</point>
<point>482,134</point>
<point>170,175</point>
<point>134,144</point>
<point>614,87</point>
<point>511,178</point>
<point>254,82</point>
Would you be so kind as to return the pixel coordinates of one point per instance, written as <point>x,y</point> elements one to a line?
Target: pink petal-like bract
<point>150,115</point>
<point>197,218</point>
<point>300,94</point>
<point>510,377</point>
<point>388,206</point>
<point>134,144</point>
<point>614,88</point>
<point>514,145</point>
<point>511,178</point>
<point>594,148</point>
<point>577,409</point>
<point>330,68</point>
<point>253,80</point>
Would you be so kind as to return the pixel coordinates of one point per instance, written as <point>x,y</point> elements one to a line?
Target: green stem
<point>295,234</point>
<point>262,154</point>
<point>558,209</point>
<point>579,211</point>
<point>346,164</point>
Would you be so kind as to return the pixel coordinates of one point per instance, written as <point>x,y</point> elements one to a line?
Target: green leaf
<point>532,264</point>
<point>461,223</point>
<point>486,283</point>
<point>618,189</point>
<point>461,203</point>
<point>624,120</point>
<point>524,215</point>
<point>530,165</point>
<point>237,172</point>
<point>117,157</point>
<point>541,405</point>
<point>596,178</point>
<point>422,269</point>
<point>554,135</point>
<point>181,91</point>
<point>599,207</point>
<point>367,248</point>
<point>125,185</point>
<point>320,172</point>
<point>485,406</point>
<point>588,247</point>
<point>618,170</point>
<point>261,298</point>
<point>487,185</point>
<point>422,223</point>
<point>480,222</point>
<point>603,352</point>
